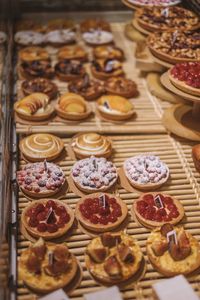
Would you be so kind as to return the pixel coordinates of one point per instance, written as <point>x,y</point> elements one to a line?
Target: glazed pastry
<point>36,68</point>
<point>87,144</point>
<point>154,2</point>
<point>196,156</point>
<point>87,88</point>
<point>40,85</point>
<point>40,146</point>
<point>106,68</point>
<point>29,54</point>
<point>113,257</point>
<point>68,70</point>
<point>26,38</point>
<point>146,171</point>
<point>121,86</point>
<point>58,24</point>
<point>60,37</point>
<point>94,174</point>
<point>97,37</point>
<point>108,52</point>
<point>174,255</point>
<point>115,107</point>
<point>41,179</point>
<point>94,24</point>
<point>47,267</point>
<point>72,52</point>
<point>34,107</point>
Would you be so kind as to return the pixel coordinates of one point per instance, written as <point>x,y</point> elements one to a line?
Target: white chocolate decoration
<point>29,38</point>
<point>97,37</point>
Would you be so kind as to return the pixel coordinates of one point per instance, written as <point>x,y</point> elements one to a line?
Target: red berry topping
<point>51,203</point>
<point>42,227</point>
<point>33,222</point>
<point>52,228</point>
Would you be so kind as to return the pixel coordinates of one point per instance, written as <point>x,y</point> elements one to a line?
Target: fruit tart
<point>41,179</point>
<point>153,210</point>
<point>45,267</point>
<point>146,171</point>
<point>108,52</point>
<point>113,257</point>
<point>72,52</point>
<point>173,251</point>
<point>60,37</point>
<point>28,37</point>
<point>105,68</point>
<point>94,24</point>
<point>36,68</point>
<point>196,156</point>
<point>121,86</point>
<point>40,85</point>
<point>94,174</point>
<point>33,53</point>
<point>68,70</point>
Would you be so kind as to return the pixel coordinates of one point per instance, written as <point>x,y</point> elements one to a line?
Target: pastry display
<point>196,156</point>
<point>47,218</point>
<point>153,210</point>
<point>94,24</point>
<point>86,144</point>
<point>34,107</point>
<point>115,107</point>
<point>40,146</point>
<point>26,38</point>
<point>68,70</point>
<point>108,52</point>
<point>72,52</point>
<point>60,24</point>
<point>60,37</point>
<point>113,257</point>
<point>173,251</point>
<point>33,54</point>
<point>41,179</point>
<point>186,77</point>
<point>154,2</point>
<point>146,171</point>
<point>40,85</point>
<point>101,212</point>
<point>121,86</point>
<point>97,37</point>
<point>106,68</point>
<point>45,267</point>
<point>36,68</point>
<point>94,174</point>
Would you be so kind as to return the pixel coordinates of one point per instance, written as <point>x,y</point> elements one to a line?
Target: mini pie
<point>47,218</point>
<point>28,24</point>
<point>146,171</point>
<point>196,156</point>
<point>40,85</point>
<point>152,214</point>
<point>94,24</point>
<point>94,174</point>
<point>108,52</point>
<point>41,179</point>
<point>68,70</point>
<point>121,86</point>
<point>170,258</point>
<point>45,267</point>
<point>33,53</point>
<point>87,144</point>
<point>60,37</point>
<point>57,24</point>
<point>186,77</point>
<point>105,68</point>
<point>72,52</point>
<point>35,69</point>
<point>115,107</point>
<point>40,146</point>
<point>27,37</point>
<point>113,257</point>
<point>34,107</point>
<point>154,2</point>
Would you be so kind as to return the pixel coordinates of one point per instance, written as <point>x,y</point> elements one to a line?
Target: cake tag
<point>95,164</point>
<point>50,258</point>
<point>49,214</point>
<point>58,295</point>
<point>106,104</point>
<point>174,37</point>
<point>102,200</point>
<point>158,201</point>
<point>165,12</point>
<point>45,165</point>
<point>109,66</point>
<point>171,237</point>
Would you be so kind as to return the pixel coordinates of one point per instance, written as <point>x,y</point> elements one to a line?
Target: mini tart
<point>68,70</point>
<point>33,53</point>
<point>108,52</point>
<point>113,257</point>
<point>92,214</point>
<point>94,174</point>
<point>27,37</point>
<point>115,107</point>
<point>164,262</point>
<point>121,86</point>
<point>41,179</point>
<point>94,24</point>
<point>72,52</point>
<point>186,77</point>
<point>146,171</point>
<point>37,273</point>
<point>105,68</point>
<point>151,216</point>
<point>87,144</point>
<point>60,37</point>
<point>97,37</point>
<point>58,24</point>
<point>196,156</point>
<point>40,146</point>
<point>40,85</point>
<point>37,68</point>
<point>34,107</point>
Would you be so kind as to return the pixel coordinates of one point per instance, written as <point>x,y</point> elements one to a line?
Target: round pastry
<point>72,107</point>
<point>108,52</point>
<point>45,267</point>
<point>101,212</point>
<point>40,85</point>
<point>34,107</point>
<point>153,2</point>
<point>106,68</point>
<point>72,52</point>
<point>68,70</point>
<point>94,174</point>
<point>94,24</point>
<point>113,257</point>
<point>97,37</point>
<point>177,254</point>
<point>60,37</point>
<point>58,24</point>
<point>121,86</point>
<point>153,210</point>
<point>115,107</point>
<point>33,53</point>
<point>41,179</point>
<point>86,144</point>
<point>146,171</point>
<point>88,89</point>
<point>186,77</point>
<point>28,24</point>
<point>27,37</point>
<point>40,146</point>
<point>47,218</point>
<point>36,68</point>
<point>196,156</point>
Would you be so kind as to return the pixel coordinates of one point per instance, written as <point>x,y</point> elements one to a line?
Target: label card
<point>106,104</point>
<point>50,258</point>
<point>102,200</point>
<point>49,214</point>
<point>45,165</point>
<point>57,295</point>
<point>171,237</point>
<point>165,12</point>
<point>158,201</point>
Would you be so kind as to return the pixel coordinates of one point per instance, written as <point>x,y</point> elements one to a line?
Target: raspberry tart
<point>121,86</point>
<point>40,85</point>
<point>105,68</point>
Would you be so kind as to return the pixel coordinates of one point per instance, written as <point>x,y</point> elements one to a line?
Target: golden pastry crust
<point>94,24</point>
<point>40,85</point>
<point>121,86</point>
<point>108,52</point>
<point>69,70</point>
<point>33,53</point>
<point>105,68</point>
<point>72,52</point>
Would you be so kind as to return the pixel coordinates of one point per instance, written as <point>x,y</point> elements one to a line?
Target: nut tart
<point>186,77</point>
<point>94,24</point>
<point>60,37</point>
<point>179,254</point>
<point>196,156</point>
<point>94,174</point>
<point>72,107</point>
<point>121,86</point>
<point>68,70</point>
<point>27,37</point>
<point>162,3</point>
<point>45,267</point>
<point>153,210</point>
<point>41,179</point>
<point>105,68</point>
<point>87,144</point>
<point>40,146</point>
<point>72,52</point>
<point>35,69</point>
<point>146,171</point>
<point>47,218</point>
<point>108,52</point>
<point>115,107</point>
<point>57,24</point>
<point>33,53</point>
<point>40,85</point>
<point>34,107</point>
<point>101,212</point>
<point>113,257</point>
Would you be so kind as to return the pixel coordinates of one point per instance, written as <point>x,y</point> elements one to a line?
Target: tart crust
<point>45,86</point>
<point>33,53</point>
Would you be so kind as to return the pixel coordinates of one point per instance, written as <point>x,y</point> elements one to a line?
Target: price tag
<point>171,237</point>
<point>165,12</point>
<point>49,214</point>
<point>95,163</point>
<point>57,295</point>
<point>158,202</point>
<point>106,104</point>
<point>45,165</point>
<point>50,258</point>
<point>174,37</point>
<point>102,200</point>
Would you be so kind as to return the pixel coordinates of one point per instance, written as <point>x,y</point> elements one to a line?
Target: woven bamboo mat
<point>180,185</point>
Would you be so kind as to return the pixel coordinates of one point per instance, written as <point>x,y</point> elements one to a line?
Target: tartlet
<point>68,70</point>
<point>94,24</point>
<point>97,37</point>
<point>108,52</point>
<point>60,37</point>
<point>27,37</point>
<point>56,24</point>
<point>40,85</point>
<point>33,53</point>
<point>72,52</point>
<point>36,68</point>
<point>105,68</point>
<point>121,86</point>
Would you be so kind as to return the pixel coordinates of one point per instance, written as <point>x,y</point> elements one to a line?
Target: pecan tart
<point>40,85</point>
<point>72,52</point>
<point>36,68</point>
<point>33,53</point>
<point>121,86</point>
<point>108,52</point>
<point>105,68</point>
<point>68,70</point>
<point>28,38</point>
